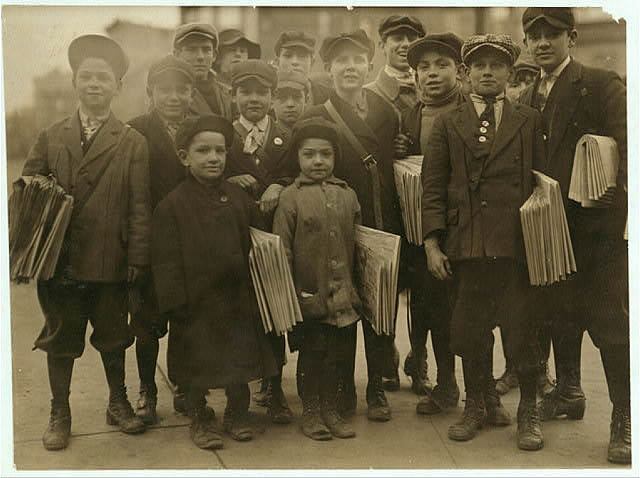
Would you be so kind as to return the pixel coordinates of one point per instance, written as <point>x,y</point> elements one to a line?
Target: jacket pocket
<point>452,216</point>
<point>312,306</point>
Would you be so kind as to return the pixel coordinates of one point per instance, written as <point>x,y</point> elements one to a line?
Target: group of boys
<point>163,208</point>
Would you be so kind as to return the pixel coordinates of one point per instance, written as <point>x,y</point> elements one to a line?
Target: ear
<point>573,37</point>
<point>215,56</point>
<point>184,157</point>
<point>524,41</point>
<point>460,71</point>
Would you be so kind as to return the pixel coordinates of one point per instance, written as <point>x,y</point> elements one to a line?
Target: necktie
<point>253,140</point>
<point>543,91</point>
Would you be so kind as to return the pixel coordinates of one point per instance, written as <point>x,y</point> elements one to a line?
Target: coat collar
<point>106,138</point>
<point>388,85</point>
<point>304,181</point>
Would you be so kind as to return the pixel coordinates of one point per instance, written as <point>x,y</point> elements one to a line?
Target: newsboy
<point>104,165</point>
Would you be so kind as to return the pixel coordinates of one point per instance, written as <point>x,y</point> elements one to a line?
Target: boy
<point>289,98</point>
<point>103,164</point>
<point>201,278</point>
<point>235,48</point>
<point>524,74</point>
<point>475,175</point>
<point>438,65</point>
<point>367,168</point>
<point>197,44</point>
<point>574,100</point>
<point>316,220</point>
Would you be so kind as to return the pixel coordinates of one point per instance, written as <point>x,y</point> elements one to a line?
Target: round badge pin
<point>277,141</point>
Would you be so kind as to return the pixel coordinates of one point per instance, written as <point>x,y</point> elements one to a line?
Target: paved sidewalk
<point>407,441</point>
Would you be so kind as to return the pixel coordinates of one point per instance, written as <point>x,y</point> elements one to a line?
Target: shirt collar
<point>559,69</point>
<point>480,99</point>
<point>87,120</point>
<point>304,181</point>
<point>402,76</point>
<point>248,125</point>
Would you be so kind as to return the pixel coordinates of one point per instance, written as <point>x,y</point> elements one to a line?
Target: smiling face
<point>288,104</point>
<point>206,156</point>
<point>437,73</point>
<point>171,95</point>
<point>349,67</point>
<point>295,58</point>
<point>548,45</point>
<point>395,47</point>
<point>199,53</point>
<point>488,72</point>
<point>96,84</point>
<point>316,158</point>
<point>253,99</point>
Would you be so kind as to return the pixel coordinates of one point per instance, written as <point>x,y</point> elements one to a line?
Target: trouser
<point>374,346</point>
<point>543,336</point>
<point>143,309</point>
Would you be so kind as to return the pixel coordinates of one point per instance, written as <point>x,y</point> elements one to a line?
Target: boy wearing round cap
<point>438,65</point>
<point>103,164</point>
<point>367,168</point>
<point>524,74</point>
<point>289,98</point>
<point>234,48</point>
<point>197,44</point>
<point>199,259</point>
<point>476,174</point>
<point>575,100</point>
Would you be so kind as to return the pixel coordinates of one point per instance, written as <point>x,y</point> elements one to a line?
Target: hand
<point>438,263</point>
<point>269,200</point>
<point>245,181</point>
<point>134,274</point>
<point>401,145</point>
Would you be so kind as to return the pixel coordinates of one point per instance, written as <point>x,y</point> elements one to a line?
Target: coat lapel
<point>72,138</point>
<point>563,100</point>
<point>160,133</point>
<point>465,122</point>
<point>512,120</point>
<point>106,138</point>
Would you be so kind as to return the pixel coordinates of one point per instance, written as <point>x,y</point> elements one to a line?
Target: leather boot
<point>332,419</point>
<point>416,368</point>
<point>620,438</point>
<point>119,411</point>
<point>507,381</point>
<point>497,415</point>
<point>545,383</point>
<point>202,430</point>
<point>312,424</point>
<point>262,397</point>
<point>146,404</point>
<point>473,418</point>
<point>378,407</point>
<point>529,427</point>
<point>567,398</point>
<point>439,399</point>
<point>236,414</point>
<point>56,436</point>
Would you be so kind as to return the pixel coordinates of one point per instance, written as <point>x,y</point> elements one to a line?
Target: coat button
<point>334,263</point>
<point>482,139</point>
<point>483,129</point>
<point>224,198</point>
<point>544,136</point>
<point>484,203</point>
<point>485,123</point>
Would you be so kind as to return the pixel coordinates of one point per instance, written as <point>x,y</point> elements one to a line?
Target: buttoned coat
<point>111,218</point>
<point>471,197</point>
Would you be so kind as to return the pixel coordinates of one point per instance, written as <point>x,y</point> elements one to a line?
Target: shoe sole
<point>111,420</point>
<point>532,447</point>
<point>55,446</point>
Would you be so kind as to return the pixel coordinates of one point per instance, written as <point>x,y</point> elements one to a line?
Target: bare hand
<point>401,145</point>
<point>269,200</point>
<point>437,262</point>
<point>245,181</point>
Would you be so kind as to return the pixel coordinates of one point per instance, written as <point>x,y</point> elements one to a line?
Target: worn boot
<point>119,411</point>
<point>202,430</point>
<point>262,397</point>
<point>529,427</point>
<point>378,407</point>
<point>146,404</point>
<point>332,419</point>
<point>279,410</point>
<point>566,400</point>
<point>473,418</point>
<point>620,438</point>
<point>439,399</point>
<point>236,414</point>
<point>417,368</point>
<point>497,415</point>
<point>312,424</point>
<point>56,436</point>
<point>507,381</point>
<point>545,383</point>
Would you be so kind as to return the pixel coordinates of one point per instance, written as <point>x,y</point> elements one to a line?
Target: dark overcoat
<point>210,97</point>
<point>200,264</point>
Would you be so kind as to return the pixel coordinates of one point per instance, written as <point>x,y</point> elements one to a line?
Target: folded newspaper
<point>39,214</point>
<point>545,229</point>
<point>377,257</point>
<point>273,283</point>
<point>408,177</point>
<point>595,169</point>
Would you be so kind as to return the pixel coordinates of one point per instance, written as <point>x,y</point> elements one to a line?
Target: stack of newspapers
<point>272,281</point>
<point>39,214</point>
<point>595,169</point>
<point>408,177</point>
<point>546,233</point>
<point>376,274</point>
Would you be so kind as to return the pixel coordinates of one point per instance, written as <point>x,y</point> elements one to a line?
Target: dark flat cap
<point>292,79</point>
<point>447,42</point>
<point>500,42</point>
<point>559,17</point>
<point>358,38</point>
<point>254,69</point>
<point>394,23</point>
<point>315,127</point>
<point>197,124</point>
<point>232,36</point>
<point>166,64</point>
<point>98,46</point>
<point>295,38</point>
<point>196,29</point>
<point>525,66</point>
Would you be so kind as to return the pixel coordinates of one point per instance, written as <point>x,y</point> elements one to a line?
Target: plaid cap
<point>98,46</point>
<point>169,63</point>
<point>292,79</point>
<point>500,42</point>
<point>559,17</point>
<point>358,38</point>
<point>232,36</point>
<point>393,23</point>
<point>196,29</point>
<point>448,42</point>
<point>254,69</point>
<point>197,124</point>
<point>295,38</point>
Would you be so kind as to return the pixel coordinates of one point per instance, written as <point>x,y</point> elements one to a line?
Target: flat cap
<point>559,17</point>
<point>393,23</point>
<point>232,36</point>
<point>254,69</point>
<point>292,79</point>
<point>358,38</point>
<point>525,66</point>
<point>315,127</point>
<point>446,42</point>
<point>196,29</point>
<point>197,124</point>
<point>98,46</point>
<point>499,42</point>
<point>166,64</point>
<point>295,38</point>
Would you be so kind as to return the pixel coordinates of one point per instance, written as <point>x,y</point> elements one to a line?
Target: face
<point>349,68</point>
<point>171,95</point>
<point>395,48</point>
<point>199,53</point>
<point>206,157</point>
<point>316,159</point>
<point>288,104</point>
<point>549,46</point>
<point>488,73</point>
<point>253,100</point>
<point>295,59</point>
<point>232,54</point>
<point>518,84</point>
<point>437,74</point>
<point>96,84</point>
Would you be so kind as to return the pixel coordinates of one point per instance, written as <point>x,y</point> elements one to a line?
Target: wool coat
<point>390,89</point>
<point>212,97</point>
